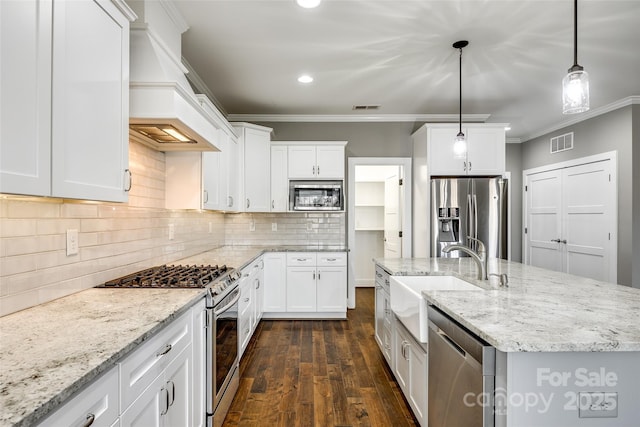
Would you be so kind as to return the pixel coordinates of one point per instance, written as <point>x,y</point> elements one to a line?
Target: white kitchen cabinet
<point>150,359</point>
<point>275,282</point>
<point>255,152</point>
<point>410,370</point>
<point>279,180</point>
<point>65,99</point>
<point>250,305</point>
<point>316,282</point>
<point>316,160</point>
<point>232,196</point>
<point>485,150</point>
<point>167,400</point>
<point>301,289</point>
<point>98,404</point>
<point>383,315</point>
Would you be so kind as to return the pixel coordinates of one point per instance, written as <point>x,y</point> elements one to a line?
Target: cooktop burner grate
<point>169,276</point>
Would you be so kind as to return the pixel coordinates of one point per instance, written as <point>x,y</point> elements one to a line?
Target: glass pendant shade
<point>460,146</point>
<point>575,92</point>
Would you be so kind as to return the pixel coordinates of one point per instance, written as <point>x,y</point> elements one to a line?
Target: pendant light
<point>460,143</point>
<point>575,85</point>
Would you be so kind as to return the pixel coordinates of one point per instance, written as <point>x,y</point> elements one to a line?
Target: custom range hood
<point>164,112</point>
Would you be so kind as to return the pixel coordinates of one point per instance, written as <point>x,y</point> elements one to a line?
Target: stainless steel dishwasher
<point>461,375</point>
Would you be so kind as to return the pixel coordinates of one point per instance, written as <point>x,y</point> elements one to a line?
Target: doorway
<point>570,216</point>
<point>378,216</point>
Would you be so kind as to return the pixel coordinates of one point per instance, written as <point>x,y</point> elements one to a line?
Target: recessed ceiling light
<point>507,128</point>
<point>308,4</point>
<point>305,78</point>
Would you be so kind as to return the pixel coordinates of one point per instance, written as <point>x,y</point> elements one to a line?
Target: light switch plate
<point>172,232</point>
<point>252,225</point>
<point>72,242</point>
<point>274,226</point>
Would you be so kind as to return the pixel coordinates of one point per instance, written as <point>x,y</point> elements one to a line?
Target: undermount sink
<point>409,306</point>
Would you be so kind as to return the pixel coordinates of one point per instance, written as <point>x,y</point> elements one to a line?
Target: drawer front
<point>328,259</point>
<point>386,343</point>
<point>140,368</point>
<point>98,402</point>
<point>382,278</point>
<point>245,296</point>
<point>301,259</point>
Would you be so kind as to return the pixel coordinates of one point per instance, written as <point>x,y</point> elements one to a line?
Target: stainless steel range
<point>222,295</point>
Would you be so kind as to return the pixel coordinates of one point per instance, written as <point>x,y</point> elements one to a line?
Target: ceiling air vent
<point>365,107</point>
<point>562,143</point>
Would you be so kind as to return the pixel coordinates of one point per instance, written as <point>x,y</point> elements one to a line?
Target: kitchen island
<point>559,338</point>
<point>50,352</point>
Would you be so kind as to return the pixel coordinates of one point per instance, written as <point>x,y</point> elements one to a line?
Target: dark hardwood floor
<point>318,373</point>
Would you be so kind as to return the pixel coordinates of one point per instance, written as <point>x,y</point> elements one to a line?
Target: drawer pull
<point>89,420</point>
<point>246,299</point>
<point>165,350</point>
<point>379,275</point>
<point>332,259</point>
<point>301,259</point>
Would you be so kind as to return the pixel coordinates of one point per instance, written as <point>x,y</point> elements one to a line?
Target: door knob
<point>555,240</point>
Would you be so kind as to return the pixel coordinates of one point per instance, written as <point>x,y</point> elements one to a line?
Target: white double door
<point>571,220</point>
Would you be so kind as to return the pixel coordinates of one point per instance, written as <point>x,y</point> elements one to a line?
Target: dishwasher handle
<point>451,342</point>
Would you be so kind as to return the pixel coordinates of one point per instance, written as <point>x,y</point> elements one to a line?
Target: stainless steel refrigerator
<point>475,207</point>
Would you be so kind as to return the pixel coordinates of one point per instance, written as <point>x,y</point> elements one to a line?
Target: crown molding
<point>200,85</point>
<point>369,118</point>
<point>175,15</point>
<point>624,102</point>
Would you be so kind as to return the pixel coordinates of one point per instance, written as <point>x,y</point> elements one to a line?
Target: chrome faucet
<point>479,257</point>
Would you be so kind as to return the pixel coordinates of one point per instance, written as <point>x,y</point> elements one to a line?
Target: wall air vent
<point>562,143</point>
<point>365,107</point>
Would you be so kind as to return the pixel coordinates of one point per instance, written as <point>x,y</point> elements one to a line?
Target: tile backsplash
<point>119,238</point>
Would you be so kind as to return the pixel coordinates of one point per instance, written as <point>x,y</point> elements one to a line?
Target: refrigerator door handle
<point>475,217</point>
<point>470,231</point>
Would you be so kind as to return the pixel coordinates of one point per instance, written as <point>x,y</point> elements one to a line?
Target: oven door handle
<point>228,306</point>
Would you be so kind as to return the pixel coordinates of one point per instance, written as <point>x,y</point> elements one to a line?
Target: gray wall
<point>608,132</point>
<point>365,139</point>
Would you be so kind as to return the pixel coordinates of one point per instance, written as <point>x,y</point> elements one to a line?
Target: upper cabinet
<point>65,99</point>
<point>254,144</point>
<point>316,159</point>
<point>485,149</point>
<point>279,181</point>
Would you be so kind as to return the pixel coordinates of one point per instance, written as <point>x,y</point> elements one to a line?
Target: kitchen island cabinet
<point>65,99</point>
<point>560,340</point>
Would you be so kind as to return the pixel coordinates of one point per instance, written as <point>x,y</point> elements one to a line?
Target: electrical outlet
<point>172,231</point>
<point>274,226</point>
<point>210,227</point>
<point>72,242</point>
<point>252,225</point>
<point>309,226</point>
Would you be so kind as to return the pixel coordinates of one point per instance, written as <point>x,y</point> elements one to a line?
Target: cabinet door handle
<point>273,204</point>
<point>318,169</point>
<point>314,170</point>
<point>465,166</point>
<point>314,275</point>
<point>231,205</point>
<point>246,299</point>
<point>563,241</point>
<point>173,392</point>
<point>470,166</point>
<point>379,275</point>
<point>89,420</point>
<point>165,350</point>
<point>130,180</point>
<point>166,401</point>
<point>318,274</point>
<point>257,283</point>
<point>248,203</point>
<point>206,196</point>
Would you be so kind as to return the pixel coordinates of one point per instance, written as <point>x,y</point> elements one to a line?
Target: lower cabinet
<point>162,383</point>
<point>250,305</point>
<point>275,282</point>
<point>411,369</point>
<point>97,405</point>
<point>166,402</point>
<point>317,283</point>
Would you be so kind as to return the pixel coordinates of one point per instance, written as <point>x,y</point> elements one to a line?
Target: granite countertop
<point>49,352</point>
<point>540,310</point>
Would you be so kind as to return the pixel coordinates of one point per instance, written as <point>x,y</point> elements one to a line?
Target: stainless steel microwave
<point>316,196</point>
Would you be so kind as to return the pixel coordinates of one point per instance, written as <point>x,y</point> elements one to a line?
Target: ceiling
<point>398,54</point>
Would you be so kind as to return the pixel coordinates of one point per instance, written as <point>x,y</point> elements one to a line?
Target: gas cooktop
<point>171,276</point>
